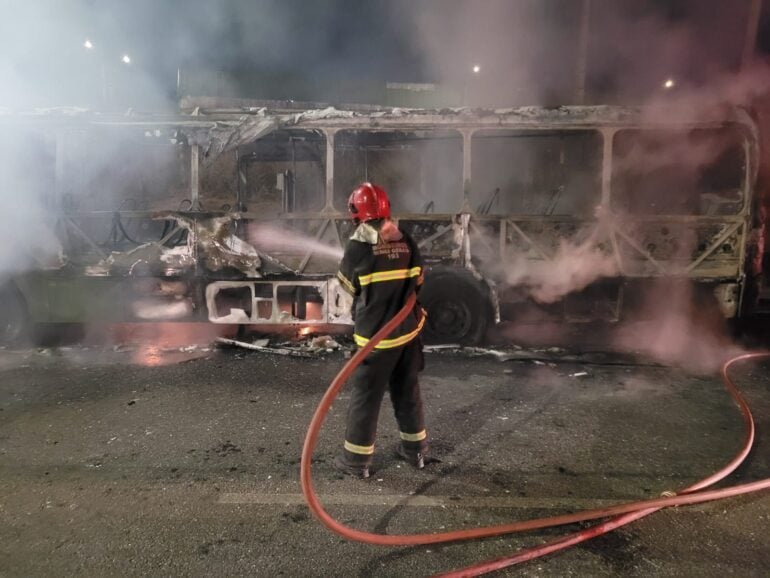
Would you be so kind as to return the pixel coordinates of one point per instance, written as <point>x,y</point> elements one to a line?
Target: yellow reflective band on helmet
<point>362,450</point>
<point>415,437</point>
<point>392,275</point>
<point>346,284</point>
<point>395,342</point>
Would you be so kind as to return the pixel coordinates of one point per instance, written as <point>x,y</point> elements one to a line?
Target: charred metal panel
<point>677,247</point>
<point>541,238</point>
<point>282,173</point>
<point>438,238</point>
<point>210,243</point>
<point>421,169</point>
<point>280,302</point>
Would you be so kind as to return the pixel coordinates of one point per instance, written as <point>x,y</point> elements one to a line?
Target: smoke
<point>26,237</point>
<point>44,61</point>
<point>683,62</point>
<point>572,268</point>
<point>523,50</point>
<point>526,51</point>
<point>529,51</point>
<point>45,64</point>
<point>678,323</point>
<point>637,47</point>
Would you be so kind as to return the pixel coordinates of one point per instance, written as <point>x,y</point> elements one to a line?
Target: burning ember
<point>156,344</point>
<point>149,355</point>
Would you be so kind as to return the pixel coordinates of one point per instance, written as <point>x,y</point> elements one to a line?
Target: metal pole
<point>57,202</point>
<point>752,27</point>
<point>329,205</point>
<point>582,56</point>
<point>195,204</point>
<point>467,164</point>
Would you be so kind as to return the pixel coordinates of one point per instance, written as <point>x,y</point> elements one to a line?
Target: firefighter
<point>380,268</point>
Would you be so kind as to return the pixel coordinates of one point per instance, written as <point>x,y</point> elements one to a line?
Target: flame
<point>305,331</point>
<point>314,311</point>
<point>154,344</point>
<point>149,355</point>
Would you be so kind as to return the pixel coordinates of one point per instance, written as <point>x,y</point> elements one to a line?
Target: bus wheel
<point>458,307</point>
<point>13,316</point>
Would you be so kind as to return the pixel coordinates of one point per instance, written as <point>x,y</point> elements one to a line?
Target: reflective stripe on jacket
<point>381,274</point>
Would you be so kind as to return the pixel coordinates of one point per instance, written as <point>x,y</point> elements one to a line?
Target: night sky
<point>527,48</point>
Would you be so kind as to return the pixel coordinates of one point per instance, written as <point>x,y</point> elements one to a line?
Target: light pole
<point>582,52</point>
<point>89,46</point>
<point>752,27</point>
<point>475,70</point>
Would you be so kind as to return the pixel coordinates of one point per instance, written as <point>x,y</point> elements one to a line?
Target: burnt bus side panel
<point>68,297</point>
<point>512,201</point>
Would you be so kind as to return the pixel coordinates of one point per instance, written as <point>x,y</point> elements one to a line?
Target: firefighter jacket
<point>380,268</point>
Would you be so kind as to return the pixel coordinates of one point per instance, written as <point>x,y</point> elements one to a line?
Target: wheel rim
<point>450,318</point>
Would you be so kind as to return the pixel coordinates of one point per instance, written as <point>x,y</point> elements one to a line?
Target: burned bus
<point>238,215</point>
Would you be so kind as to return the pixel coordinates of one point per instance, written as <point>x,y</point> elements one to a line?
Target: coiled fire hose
<point>619,515</point>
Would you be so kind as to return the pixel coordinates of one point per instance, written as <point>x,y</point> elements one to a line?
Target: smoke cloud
<point>26,237</point>
<point>524,50</point>
<point>527,52</point>
<point>683,63</point>
<point>678,323</point>
<point>572,268</point>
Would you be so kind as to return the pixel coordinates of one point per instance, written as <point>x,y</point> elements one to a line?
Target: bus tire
<point>458,307</point>
<point>14,319</point>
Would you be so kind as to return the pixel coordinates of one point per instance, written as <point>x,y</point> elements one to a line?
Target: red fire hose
<point>623,513</point>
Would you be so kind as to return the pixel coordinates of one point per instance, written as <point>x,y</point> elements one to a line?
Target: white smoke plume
<point>680,68</point>
<point>573,268</point>
<point>678,324</point>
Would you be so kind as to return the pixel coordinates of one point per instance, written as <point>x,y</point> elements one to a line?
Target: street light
<point>476,68</point>
<point>669,83</point>
<point>87,44</point>
<point>126,59</point>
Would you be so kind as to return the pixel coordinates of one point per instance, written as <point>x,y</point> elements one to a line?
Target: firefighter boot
<point>350,468</point>
<point>414,455</point>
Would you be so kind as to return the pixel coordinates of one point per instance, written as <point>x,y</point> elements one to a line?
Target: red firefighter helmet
<point>368,202</point>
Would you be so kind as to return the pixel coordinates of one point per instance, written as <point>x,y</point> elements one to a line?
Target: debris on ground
<point>325,342</point>
<point>545,356</point>
<point>294,352</point>
<point>307,346</point>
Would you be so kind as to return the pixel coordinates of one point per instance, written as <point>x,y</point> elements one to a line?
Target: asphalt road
<point>191,469</point>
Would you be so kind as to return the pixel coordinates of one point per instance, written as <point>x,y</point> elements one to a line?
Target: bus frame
<point>218,276</point>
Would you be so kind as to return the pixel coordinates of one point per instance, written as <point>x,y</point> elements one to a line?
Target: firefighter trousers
<point>397,369</point>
